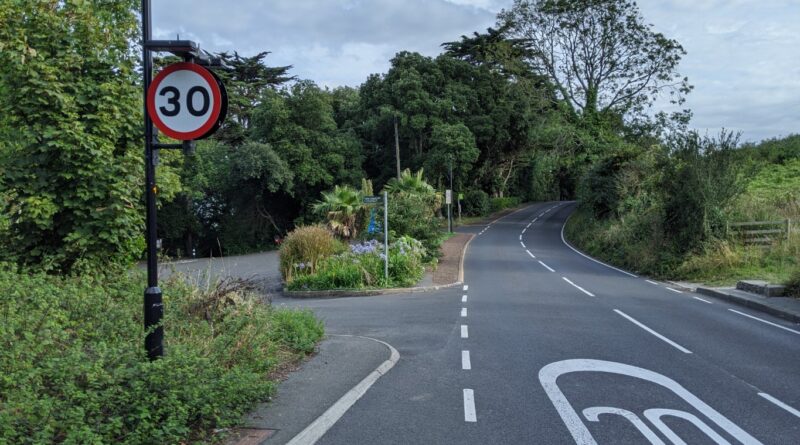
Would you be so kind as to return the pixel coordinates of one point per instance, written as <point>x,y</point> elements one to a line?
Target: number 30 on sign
<point>186,101</point>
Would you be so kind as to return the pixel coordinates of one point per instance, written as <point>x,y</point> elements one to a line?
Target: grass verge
<point>73,369</point>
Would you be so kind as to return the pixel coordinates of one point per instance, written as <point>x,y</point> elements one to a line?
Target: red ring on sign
<point>212,85</point>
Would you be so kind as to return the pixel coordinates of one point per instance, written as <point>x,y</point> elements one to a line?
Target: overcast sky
<point>743,55</point>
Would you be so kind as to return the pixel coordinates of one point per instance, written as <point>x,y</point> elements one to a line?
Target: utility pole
<point>153,304</point>
<point>397,148</point>
<point>450,204</point>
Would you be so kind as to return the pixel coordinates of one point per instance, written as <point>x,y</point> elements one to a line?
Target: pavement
<point>545,345</point>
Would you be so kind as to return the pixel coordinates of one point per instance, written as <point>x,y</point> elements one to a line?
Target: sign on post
<point>373,199</point>
<point>448,196</point>
<point>186,101</point>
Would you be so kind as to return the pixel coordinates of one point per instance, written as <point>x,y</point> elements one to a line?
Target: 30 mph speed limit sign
<point>186,101</point>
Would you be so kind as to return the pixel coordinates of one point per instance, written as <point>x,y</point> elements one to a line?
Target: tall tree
<point>72,130</point>
<point>600,54</point>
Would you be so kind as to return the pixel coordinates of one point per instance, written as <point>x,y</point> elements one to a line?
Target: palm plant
<point>411,183</point>
<point>341,208</point>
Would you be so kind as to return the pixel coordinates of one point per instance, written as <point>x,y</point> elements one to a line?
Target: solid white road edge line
<point>588,257</point>
<point>672,343</point>
<point>469,406</point>
<point>765,321</point>
<point>464,331</point>
<point>529,253</point>
<point>578,287</point>
<point>463,312</point>
<point>464,298</point>
<point>703,300</point>
<point>313,432</point>
<point>546,266</point>
<point>780,404</point>
<point>466,364</point>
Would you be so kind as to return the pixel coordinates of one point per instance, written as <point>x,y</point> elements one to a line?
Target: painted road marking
<point>529,253</point>
<point>634,321</point>
<point>703,300</point>
<point>674,290</point>
<point>534,220</point>
<point>523,230</point>
<point>464,331</point>
<point>466,287</point>
<point>469,406</point>
<point>578,287</point>
<point>652,282</point>
<point>545,266</point>
<point>590,258</point>
<point>765,321</point>
<point>464,298</point>
<point>520,237</point>
<point>466,364</point>
<point>528,226</point>
<point>523,244</point>
<point>548,377</point>
<point>463,312</point>
<point>780,404</point>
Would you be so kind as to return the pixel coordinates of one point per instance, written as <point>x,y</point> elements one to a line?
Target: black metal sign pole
<point>153,307</point>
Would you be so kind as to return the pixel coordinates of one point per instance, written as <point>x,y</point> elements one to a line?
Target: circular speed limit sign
<point>186,101</point>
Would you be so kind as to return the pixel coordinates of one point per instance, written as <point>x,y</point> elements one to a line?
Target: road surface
<point>546,346</point>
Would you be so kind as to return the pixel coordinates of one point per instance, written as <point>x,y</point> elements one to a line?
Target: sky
<point>743,56</point>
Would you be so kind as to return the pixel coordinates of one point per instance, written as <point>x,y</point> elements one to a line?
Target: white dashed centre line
<point>469,406</point>
<point>529,253</point>
<point>652,282</point>
<point>523,230</point>
<point>523,244</point>
<point>466,287</point>
<point>520,237</point>
<point>466,364</point>
<point>464,298</point>
<point>546,266</point>
<point>703,300</point>
<point>780,404</point>
<point>464,331</point>
<point>765,321</point>
<point>661,337</point>
<point>578,287</point>
<point>463,312</point>
<point>674,290</point>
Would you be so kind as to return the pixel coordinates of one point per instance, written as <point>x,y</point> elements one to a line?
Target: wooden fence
<point>761,233</point>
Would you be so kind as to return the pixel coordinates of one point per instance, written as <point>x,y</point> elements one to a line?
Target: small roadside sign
<point>373,199</point>
<point>448,196</point>
<point>186,101</point>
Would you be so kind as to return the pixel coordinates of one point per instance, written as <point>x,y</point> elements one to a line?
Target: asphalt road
<point>546,346</point>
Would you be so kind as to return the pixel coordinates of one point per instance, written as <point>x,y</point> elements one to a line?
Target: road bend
<point>545,345</point>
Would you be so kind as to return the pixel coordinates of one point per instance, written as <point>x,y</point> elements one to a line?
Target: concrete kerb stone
<point>752,304</point>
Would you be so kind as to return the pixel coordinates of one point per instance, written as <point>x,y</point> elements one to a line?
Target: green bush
<point>304,248</point>
<point>475,203</point>
<point>793,284</point>
<point>498,204</point>
<point>414,215</point>
<point>73,369</point>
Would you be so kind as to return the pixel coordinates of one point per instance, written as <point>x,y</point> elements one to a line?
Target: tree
<point>71,105</point>
<point>452,146</point>
<point>341,207</point>
<point>599,54</point>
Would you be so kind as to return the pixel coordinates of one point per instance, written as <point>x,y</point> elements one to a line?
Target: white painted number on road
<point>580,432</point>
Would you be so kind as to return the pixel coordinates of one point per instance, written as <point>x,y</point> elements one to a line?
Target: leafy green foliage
<point>73,370</point>
<point>304,248</point>
<point>497,204</point>
<point>475,203</point>
<point>341,207</point>
<point>71,128</point>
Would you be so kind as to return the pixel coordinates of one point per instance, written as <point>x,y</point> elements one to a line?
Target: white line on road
<point>523,244</point>
<point>469,406</point>
<point>765,321</point>
<point>529,253</point>
<point>674,290</point>
<point>520,237</point>
<point>464,298</point>
<point>528,226</point>
<point>464,331</point>
<point>463,312</point>
<point>534,220</point>
<point>672,343</point>
<point>546,266</point>
<point>466,287</point>
<point>466,364</point>
<point>652,282</point>
<point>780,404</point>
<point>590,258</point>
<point>703,300</point>
<point>578,287</point>
<point>523,230</point>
